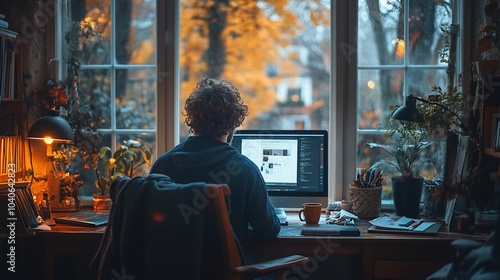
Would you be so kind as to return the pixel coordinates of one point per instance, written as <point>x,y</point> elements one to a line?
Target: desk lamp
<point>49,129</point>
<point>409,111</point>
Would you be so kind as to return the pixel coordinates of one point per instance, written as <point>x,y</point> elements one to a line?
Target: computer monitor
<point>294,163</point>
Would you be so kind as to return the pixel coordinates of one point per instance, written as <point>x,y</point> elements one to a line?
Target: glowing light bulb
<point>48,140</point>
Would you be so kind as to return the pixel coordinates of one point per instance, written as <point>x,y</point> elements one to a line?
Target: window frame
<point>342,139</point>
<point>458,7</point>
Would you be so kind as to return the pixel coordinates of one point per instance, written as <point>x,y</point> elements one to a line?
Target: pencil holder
<point>365,202</point>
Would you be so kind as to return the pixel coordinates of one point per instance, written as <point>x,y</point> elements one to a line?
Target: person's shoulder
<point>243,160</point>
<point>164,159</point>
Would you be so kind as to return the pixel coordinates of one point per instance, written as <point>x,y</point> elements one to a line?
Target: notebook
<point>432,230</point>
<point>87,218</point>
<point>329,230</point>
<point>403,224</point>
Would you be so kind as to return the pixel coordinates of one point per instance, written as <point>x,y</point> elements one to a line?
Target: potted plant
<point>407,185</point>
<point>128,160</point>
<point>409,142</point>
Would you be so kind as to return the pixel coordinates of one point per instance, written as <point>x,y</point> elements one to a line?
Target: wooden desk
<point>370,256</point>
<point>66,251</point>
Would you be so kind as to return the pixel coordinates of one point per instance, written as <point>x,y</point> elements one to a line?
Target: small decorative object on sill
<point>463,223</point>
<point>433,199</point>
<point>101,201</point>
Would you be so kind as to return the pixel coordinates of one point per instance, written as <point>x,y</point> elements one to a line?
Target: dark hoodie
<point>204,159</point>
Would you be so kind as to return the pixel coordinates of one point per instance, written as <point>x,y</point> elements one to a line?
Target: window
<point>398,55</point>
<point>117,75</point>
<point>297,64</point>
<point>275,52</point>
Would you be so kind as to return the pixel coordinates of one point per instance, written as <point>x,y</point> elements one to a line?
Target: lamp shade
<point>51,126</point>
<point>409,111</point>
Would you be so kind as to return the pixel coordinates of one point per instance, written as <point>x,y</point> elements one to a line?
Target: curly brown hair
<point>214,108</point>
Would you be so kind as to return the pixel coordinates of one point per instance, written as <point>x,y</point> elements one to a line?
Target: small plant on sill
<point>412,138</point>
<point>128,160</point>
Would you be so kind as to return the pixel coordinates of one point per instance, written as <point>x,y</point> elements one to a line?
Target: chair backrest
<point>224,250</point>
<point>160,229</point>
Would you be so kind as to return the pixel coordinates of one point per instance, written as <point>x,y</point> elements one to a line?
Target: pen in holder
<point>366,192</point>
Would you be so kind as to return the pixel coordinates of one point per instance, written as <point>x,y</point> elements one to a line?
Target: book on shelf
<point>11,154</point>
<point>8,33</point>
<point>4,24</point>
<point>7,66</point>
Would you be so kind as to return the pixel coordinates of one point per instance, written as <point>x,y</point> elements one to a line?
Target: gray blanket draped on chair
<point>155,225</point>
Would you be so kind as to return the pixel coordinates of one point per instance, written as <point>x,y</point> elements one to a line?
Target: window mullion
<point>113,75</point>
<point>406,38</point>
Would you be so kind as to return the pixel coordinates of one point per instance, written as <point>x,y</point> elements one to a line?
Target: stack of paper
<point>404,225</point>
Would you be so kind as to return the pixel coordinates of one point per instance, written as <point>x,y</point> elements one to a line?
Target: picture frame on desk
<point>494,137</point>
<point>456,161</point>
<point>495,144</point>
<point>489,127</point>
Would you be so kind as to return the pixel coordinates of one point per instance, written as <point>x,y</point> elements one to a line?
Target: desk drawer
<point>391,269</point>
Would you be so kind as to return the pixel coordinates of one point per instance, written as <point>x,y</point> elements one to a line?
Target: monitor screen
<point>293,163</point>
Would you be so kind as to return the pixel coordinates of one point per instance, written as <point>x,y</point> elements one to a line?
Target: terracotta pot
<point>407,193</point>
<point>101,201</point>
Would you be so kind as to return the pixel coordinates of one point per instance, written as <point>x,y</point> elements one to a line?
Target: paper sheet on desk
<point>386,222</point>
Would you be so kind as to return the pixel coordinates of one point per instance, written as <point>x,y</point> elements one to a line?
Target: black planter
<point>406,195</point>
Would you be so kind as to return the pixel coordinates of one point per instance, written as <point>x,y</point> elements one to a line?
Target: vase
<point>433,201</point>
<point>407,193</point>
<point>101,201</point>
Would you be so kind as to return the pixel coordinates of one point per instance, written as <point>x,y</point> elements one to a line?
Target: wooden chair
<point>232,264</point>
<point>159,228</point>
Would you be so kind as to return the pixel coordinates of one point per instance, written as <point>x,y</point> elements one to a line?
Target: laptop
<point>85,218</point>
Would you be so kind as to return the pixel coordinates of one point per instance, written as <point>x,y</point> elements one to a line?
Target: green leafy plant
<point>128,160</point>
<point>405,153</point>
<point>410,139</point>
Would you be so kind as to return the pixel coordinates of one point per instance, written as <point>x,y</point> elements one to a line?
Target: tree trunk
<point>216,52</point>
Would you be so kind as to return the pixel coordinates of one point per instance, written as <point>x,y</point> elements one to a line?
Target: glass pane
<point>368,156</point>
<point>136,99</point>
<point>420,81</point>
<point>95,88</point>
<point>277,53</point>
<point>380,32</point>
<point>135,32</point>
<point>426,38</point>
<point>86,16</point>
<point>377,91</point>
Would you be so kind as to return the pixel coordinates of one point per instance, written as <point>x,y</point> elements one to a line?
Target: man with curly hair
<point>213,111</point>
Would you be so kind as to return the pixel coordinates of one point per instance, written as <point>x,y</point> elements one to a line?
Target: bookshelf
<point>12,110</point>
<point>487,87</point>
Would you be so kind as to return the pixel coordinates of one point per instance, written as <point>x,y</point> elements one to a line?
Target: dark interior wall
<point>478,18</point>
